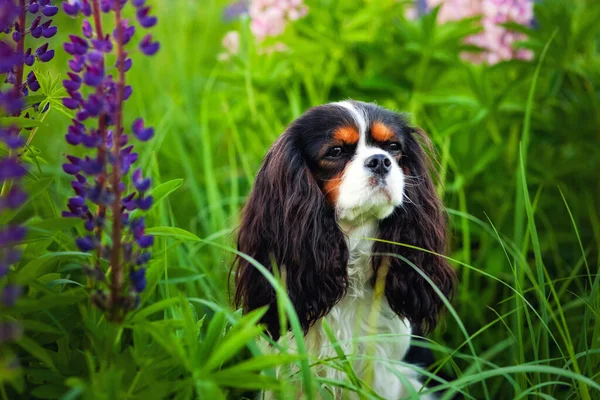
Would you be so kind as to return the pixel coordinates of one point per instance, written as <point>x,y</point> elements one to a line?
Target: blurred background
<point>508,91</point>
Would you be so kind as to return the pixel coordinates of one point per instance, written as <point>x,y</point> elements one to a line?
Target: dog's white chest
<point>373,338</point>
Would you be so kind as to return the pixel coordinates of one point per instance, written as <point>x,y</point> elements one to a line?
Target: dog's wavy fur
<point>289,221</point>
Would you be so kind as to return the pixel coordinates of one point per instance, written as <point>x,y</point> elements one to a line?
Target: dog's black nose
<point>379,164</point>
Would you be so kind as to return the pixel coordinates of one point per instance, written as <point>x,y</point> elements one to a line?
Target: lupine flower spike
<point>14,58</point>
<point>102,199</point>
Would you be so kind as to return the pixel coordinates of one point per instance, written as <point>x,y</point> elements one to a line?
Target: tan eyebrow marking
<point>381,132</point>
<point>346,134</point>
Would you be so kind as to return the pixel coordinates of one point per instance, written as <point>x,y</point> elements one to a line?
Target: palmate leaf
<point>236,339</point>
<point>48,391</point>
<point>37,326</point>
<point>164,336</point>
<point>50,301</point>
<point>158,306</point>
<point>162,389</point>
<point>19,122</point>
<point>213,336</point>
<point>51,225</point>
<point>45,264</point>
<point>33,99</point>
<point>42,229</point>
<point>36,351</point>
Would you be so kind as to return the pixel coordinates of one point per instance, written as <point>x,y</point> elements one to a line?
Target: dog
<point>338,191</point>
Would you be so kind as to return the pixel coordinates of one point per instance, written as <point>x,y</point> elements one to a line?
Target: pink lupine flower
<point>268,18</point>
<point>231,42</point>
<point>496,40</point>
<point>454,10</point>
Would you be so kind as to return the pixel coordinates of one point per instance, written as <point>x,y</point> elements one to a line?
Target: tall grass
<point>518,158</point>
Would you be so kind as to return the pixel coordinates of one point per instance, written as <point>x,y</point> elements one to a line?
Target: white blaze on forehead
<point>359,117</point>
<point>359,199</point>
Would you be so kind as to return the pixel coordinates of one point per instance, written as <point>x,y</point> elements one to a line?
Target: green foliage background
<point>518,155</point>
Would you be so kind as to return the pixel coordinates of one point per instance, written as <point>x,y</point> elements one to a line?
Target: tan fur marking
<point>381,133</point>
<point>346,134</point>
<point>331,188</point>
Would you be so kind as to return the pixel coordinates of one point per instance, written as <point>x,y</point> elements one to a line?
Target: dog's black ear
<point>420,222</point>
<point>288,220</point>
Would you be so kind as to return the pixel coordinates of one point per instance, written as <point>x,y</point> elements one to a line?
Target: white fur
<point>358,115</point>
<point>360,315</point>
<point>359,198</point>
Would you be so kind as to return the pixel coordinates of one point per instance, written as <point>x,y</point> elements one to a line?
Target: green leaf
<point>19,122</point>
<point>33,188</point>
<point>160,192</point>
<point>48,391</point>
<point>63,282</point>
<point>36,326</point>
<point>262,362</point>
<point>142,314</point>
<point>245,380</point>
<point>47,228</point>
<point>214,334</point>
<point>174,233</point>
<point>51,300</point>
<point>237,338</point>
<point>33,99</point>
<point>54,224</point>
<point>44,264</point>
<point>36,351</point>
<point>44,81</point>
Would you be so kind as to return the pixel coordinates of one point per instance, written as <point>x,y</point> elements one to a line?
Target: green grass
<point>518,155</point>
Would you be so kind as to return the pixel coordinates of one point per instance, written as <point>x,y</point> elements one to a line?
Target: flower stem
<point>7,185</point>
<point>97,18</point>
<point>102,129</point>
<point>21,44</point>
<point>117,268</point>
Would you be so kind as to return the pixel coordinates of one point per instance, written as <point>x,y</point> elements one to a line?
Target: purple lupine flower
<point>149,47</point>
<point>10,331</point>
<point>145,20</point>
<point>14,58</point>
<point>34,7</point>
<point>71,9</point>
<point>235,10</point>
<point>43,54</point>
<point>140,131</point>
<point>138,279</point>
<point>10,294</point>
<point>49,10</point>
<point>13,199</point>
<point>8,14</point>
<point>100,182</point>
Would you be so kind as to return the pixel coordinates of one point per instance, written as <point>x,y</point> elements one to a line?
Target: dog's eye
<point>394,147</point>
<point>335,152</point>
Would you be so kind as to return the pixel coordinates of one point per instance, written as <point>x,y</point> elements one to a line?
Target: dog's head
<point>344,164</point>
